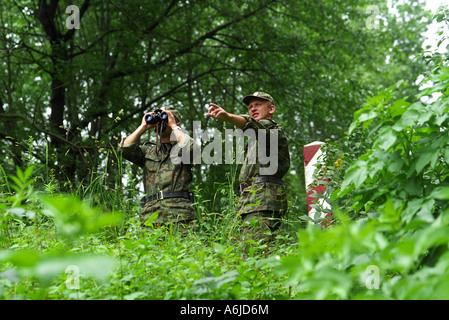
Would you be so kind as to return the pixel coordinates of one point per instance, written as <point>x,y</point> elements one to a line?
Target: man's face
<point>259,109</point>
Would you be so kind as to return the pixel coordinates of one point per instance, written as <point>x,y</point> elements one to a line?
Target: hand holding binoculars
<point>157,116</point>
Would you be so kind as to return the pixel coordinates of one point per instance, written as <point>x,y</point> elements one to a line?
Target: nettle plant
<point>390,203</point>
<point>395,151</point>
<point>407,164</point>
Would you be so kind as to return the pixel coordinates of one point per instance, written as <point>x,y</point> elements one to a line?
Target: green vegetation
<point>389,192</point>
<point>48,240</point>
<point>69,224</point>
<point>72,94</point>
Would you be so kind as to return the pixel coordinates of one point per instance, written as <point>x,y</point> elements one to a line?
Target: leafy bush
<point>55,246</point>
<point>391,236</point>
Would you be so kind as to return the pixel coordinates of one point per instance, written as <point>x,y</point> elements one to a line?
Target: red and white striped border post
<point>311,153</point>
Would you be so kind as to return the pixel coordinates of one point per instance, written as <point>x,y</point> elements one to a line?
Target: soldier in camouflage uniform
<point>166,178</point>
<point>262,198</point>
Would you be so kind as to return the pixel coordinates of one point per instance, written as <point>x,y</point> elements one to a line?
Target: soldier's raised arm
<point>219,113</point>
<point>135,136</point>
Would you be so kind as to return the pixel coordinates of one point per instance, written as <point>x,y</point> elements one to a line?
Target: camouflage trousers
<point>174,214</point>
<point>259,225</point>
<point>181,227</point>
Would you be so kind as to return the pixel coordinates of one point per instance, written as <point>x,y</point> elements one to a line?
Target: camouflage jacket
<point>264,196</point>
<point>161,173</point>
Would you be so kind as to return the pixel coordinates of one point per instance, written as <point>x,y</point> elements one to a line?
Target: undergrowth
<point>56,246</point>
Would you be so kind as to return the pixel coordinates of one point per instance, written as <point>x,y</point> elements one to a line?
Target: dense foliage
<point>73,93</point>
<point>69,226</point>
<point>387,184</point>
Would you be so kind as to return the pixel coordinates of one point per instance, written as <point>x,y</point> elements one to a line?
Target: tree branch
<point>53,135</point>
<point>188,48</point>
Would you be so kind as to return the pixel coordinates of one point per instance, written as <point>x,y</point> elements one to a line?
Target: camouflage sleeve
<point>283,156</point>
<point>132,153</point>
<point>253,124</point>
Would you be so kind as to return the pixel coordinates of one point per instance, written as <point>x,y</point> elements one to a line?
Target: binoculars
<point>158,116</point>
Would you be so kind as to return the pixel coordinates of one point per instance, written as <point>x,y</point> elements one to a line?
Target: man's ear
<point>271,110</point>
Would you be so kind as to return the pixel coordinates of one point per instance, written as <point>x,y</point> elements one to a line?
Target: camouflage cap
<point>258,95</point>
<point>175,112</point>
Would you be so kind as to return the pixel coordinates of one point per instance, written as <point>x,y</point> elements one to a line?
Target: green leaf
<point>74,217</point>
<point>408,119</point>
<point>424,159</point>
<point>390,213</point>
<point>218,248</point>
<point>446,155</point>
<point>20,258</point>
<point>386,139</point>
<point>426,211</point>
<point>399,107</point>
<point>149,221</point>
<point>441,193</point>
<point>50,267</point>
<point>356,174</point>
<point>305,217</point>
<point>371,114</point>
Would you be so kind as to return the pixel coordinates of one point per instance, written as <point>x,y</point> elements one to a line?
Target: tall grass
<point>45,235</point>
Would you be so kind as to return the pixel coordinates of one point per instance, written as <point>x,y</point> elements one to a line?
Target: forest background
<point>71,94</point>
<point>72,86</point>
